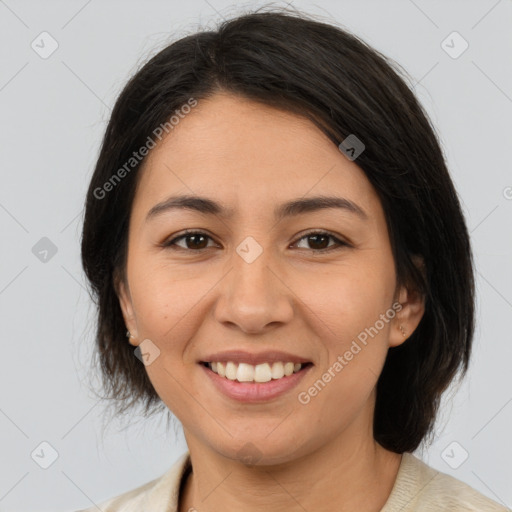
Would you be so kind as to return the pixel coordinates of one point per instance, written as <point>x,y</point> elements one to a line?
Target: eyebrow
<point>295,207</point>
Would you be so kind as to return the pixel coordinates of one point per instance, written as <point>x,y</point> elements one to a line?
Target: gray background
<point>53,114</point>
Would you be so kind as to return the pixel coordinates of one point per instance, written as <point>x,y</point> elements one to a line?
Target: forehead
<point>245,153</point>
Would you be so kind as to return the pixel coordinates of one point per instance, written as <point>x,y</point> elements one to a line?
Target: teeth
<point>277,370</point>
<point>264,372</point>
<point>231,370</point>
<point>288,368</point>
<point>245,373</point>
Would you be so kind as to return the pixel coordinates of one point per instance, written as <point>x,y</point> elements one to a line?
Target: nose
<point>254,295</point>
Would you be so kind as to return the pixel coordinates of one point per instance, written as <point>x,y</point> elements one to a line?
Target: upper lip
<point>241,356</point>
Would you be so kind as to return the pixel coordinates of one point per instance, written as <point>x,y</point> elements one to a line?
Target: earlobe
<point>409,316</point>
<point>126,306</point>
<point>399,332</point>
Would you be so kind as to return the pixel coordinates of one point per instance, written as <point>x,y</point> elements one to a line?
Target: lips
<point>255,392</point>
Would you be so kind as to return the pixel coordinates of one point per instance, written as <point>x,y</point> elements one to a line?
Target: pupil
<point>195,238</point>
<point>316,237</point>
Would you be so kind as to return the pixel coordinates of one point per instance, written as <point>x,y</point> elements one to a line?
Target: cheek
<point>352,318</point>
<point>163,297</point>
<point>347,299</point>
<point>355,350</point>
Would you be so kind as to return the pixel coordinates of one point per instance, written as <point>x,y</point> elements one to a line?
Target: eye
<point>319,237</point>
<point>198,239</point>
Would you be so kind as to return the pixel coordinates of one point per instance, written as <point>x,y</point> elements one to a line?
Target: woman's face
<point>253,282</point>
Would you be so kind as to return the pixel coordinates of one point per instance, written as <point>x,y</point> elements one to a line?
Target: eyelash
<point>339,243</point>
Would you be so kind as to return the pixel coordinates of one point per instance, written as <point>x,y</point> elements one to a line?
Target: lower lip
<point>255,391</point>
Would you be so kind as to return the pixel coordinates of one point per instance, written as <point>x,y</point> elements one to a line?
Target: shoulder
<point>158,494</point>
<point>421,488</point>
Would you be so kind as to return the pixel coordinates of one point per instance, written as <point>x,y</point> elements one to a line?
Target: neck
<point>339,476</point>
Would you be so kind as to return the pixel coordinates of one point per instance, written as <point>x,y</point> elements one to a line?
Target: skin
<point>320,456</point>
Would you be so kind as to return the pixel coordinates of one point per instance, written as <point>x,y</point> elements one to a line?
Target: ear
<point>125,302</point>
<point>411,311</point>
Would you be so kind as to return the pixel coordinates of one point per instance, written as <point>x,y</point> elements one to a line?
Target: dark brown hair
<point>293,62</point>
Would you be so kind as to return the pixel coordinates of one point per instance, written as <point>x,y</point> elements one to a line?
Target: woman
<point>272,221</point>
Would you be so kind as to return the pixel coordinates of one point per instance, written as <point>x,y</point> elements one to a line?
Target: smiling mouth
<point>260,373</point>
